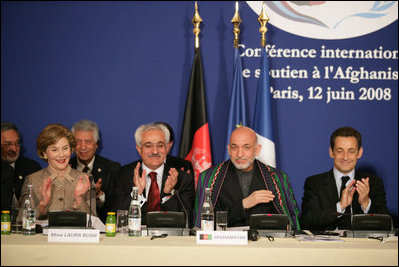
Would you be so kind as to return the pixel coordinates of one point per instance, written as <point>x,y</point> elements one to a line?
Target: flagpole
<point>196,21</point>
<point>263,19</point>
<point>195,143</point>
<point>237,115</point>
<point>236,20</point>
<point>262,119</point>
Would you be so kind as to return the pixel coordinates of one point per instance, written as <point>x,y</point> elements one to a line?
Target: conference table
<point>17,249</point>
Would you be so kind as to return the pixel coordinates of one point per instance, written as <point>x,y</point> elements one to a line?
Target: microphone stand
<point>89,224</point>
<point>176,193</point>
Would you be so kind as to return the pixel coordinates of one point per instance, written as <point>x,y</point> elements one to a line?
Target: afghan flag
<point>195,143</point>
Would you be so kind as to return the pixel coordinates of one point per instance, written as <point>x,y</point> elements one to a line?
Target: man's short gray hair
<point>151,126</point>
<point>87,125</point>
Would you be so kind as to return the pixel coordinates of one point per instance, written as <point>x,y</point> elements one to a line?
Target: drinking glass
<point>16,223</point>
<point>121,222</point>
<point>221,220</point>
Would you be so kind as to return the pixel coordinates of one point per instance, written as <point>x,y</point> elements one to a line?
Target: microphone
<point>89,224</point>
<point>348,211</point>
<point>176,193</point>
<point>341,213</point>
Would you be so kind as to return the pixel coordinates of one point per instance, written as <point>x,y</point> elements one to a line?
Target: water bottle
<point>135,214</point>
<point>207,215</point>
<point>29,214</point>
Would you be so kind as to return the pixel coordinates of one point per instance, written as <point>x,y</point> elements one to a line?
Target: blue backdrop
<point>122,64</point>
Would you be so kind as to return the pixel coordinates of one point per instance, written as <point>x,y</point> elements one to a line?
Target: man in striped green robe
<point>245,186</point>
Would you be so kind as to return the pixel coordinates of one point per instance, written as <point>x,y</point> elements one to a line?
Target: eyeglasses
<point>7,145</point>
<point>159,145</point>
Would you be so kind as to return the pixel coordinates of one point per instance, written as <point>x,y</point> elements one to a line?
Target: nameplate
<point>74,235</point>
<point>222,237</point>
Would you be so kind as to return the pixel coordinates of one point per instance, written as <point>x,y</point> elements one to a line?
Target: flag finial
<point>263,19</point>
<point>236,22</point>
<point>196,21</point>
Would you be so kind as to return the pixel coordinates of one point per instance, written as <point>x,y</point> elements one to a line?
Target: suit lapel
<point>331,187</point>
<point>73,162</point>
<point>164,177</point>
<point>96,166</point>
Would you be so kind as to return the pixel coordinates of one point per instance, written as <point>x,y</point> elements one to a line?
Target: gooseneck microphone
<point>176,193</point>
<point>89,224</point>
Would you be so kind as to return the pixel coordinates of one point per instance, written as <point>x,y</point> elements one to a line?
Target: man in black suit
<point>157,182</point>
<point>176,162</point>
<point>102,169</point>
<point>17,167</point>
<point>323,205</point>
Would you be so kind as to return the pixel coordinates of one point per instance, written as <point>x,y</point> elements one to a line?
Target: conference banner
<point>125,63</point>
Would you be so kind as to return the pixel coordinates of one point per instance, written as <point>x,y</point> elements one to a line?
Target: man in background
<point>176,162</point>
<point>14,166</point>
<point>87,137</point>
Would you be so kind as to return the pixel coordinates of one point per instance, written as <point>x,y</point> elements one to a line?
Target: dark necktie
<point>85,169</point>
<point>154,199</point>
<point>344,180</point>
<point>345,221</point>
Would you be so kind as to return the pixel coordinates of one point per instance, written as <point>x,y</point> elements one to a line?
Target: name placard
<point>73,235</point>
<point>222,237</point>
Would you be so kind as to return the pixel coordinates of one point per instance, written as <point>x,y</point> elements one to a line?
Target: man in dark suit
<point>157,182</point>
<point>176,162</point>
<point>324,205</point>
<point>87,137</point>
<point>19,166</point>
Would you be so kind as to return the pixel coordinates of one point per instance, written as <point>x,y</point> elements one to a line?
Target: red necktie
<point>154,199</point>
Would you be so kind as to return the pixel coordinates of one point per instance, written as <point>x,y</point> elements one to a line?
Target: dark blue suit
<point>319,210</point>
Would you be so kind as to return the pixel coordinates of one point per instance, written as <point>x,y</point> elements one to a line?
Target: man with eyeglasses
<point>245,186</point>
<point>14,166</point>
<point>156,181</point>
<point>87,137</point>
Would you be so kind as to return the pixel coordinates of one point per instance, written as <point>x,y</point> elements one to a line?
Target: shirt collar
<point>338,175</point>
<point>159,171</point>
<point>80,166</point>
<point>54,174</point>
